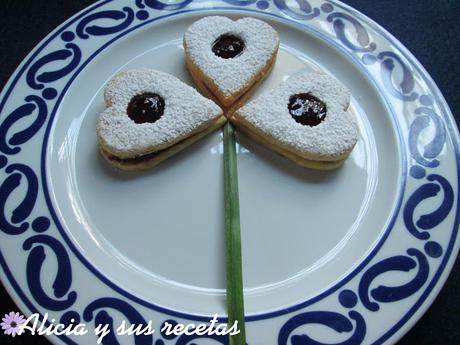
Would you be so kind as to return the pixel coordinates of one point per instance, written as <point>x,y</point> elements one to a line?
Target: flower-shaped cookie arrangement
<point>151,115</point>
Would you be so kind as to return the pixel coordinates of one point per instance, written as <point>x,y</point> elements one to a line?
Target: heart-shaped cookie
<point>304,119</point>
<point>150,116</point>
<point>227,59</point>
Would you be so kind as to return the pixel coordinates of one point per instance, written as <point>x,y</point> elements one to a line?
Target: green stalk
<point>235,298</point>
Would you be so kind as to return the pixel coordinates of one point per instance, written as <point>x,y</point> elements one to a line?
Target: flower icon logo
<point>12,323</point>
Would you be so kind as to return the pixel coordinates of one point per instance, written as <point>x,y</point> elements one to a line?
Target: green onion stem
<point>235,297</point>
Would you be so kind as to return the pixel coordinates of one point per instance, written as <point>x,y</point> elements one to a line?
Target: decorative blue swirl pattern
<point>307,11</point>
<point>339,21</point>
<point>25,207</point>
<point>433,219</point>
<point>415,264</point>
<point>398,263</point>
<point>426,119</point>
<point>125,17</point>
<point>37,81</point>
<point>34,104</point>
<point>335,321</point>
<point>102,317</point>
<point>63,280</point>
<point>167,6</point>
<point>240,2</point>
<point>405,88</point>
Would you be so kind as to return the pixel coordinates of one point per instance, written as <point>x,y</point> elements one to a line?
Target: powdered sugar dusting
<point>334,136</point>
<point>231,75</point>
<point>185,111</point>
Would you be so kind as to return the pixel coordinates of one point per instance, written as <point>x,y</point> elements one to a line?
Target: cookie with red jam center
<point>150,116</point>
<point>305,119</point>
<point>227,59</point>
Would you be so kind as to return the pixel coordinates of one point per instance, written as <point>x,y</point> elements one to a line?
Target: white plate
<point>352,256</point>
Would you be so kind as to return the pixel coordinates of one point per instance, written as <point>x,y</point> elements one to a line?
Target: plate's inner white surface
<point>160,234</point>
